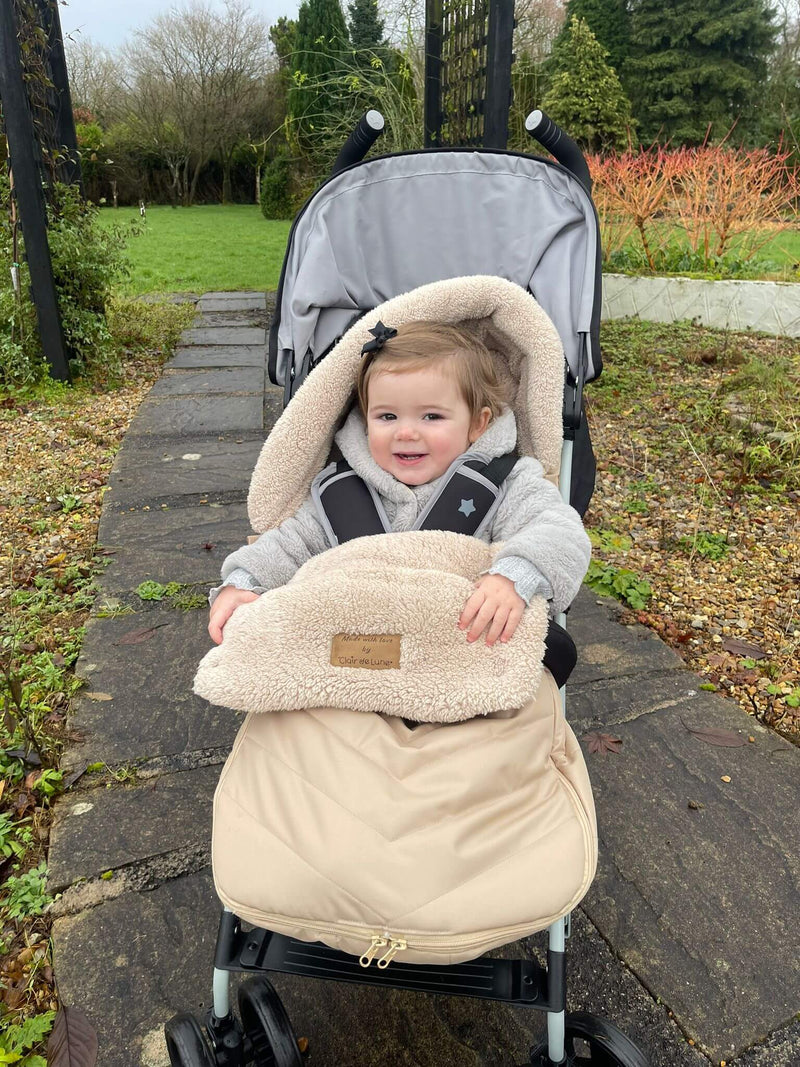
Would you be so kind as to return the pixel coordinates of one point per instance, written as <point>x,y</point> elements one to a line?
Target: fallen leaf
<point>602,743</point>
<point>725,778</point>
<point>695,805</point>
<point>55,560</point>
<point>2,787</point>
<point>73,1040</point>
<point>70,781</point>
<point>742,648</point>
<point>98,696</point>
<point>136,637</point>
<point>722,738</point>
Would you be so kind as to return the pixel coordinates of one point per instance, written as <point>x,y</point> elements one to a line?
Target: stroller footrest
<point>512,981</point>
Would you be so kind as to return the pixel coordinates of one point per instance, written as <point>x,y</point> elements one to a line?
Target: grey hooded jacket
<point>545,552</point>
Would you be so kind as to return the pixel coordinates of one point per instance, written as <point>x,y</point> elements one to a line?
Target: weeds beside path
<point>697,434</point>
<point>58,445</point>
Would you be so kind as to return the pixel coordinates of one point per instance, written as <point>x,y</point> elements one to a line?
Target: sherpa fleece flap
<point>371,625</point>
<point>529,358</point>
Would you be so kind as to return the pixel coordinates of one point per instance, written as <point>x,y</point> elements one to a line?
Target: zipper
<point>369,955</point>
<point>395,945</point>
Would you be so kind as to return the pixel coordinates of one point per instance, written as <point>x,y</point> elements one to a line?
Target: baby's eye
<point>432,415</point>
<point>386,416</point>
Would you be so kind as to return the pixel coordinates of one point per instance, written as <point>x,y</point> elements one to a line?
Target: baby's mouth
<point>409,457</point>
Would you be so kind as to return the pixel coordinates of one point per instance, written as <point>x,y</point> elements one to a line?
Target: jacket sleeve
<point>536,525</point>
<point>277,554</point>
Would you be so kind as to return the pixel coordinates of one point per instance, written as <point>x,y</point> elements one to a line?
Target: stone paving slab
<point>608,650</point>
<point>199,382</point>
<point>606,703</point>
<point>230,317</point>
<point>133,962</point>
<point>151,711</point>
<point>224,335</point>
<point>205,357</point>
<point>190,466</point>
<point>173,545</point>
<point>97,830</point>
<point>198,414</point>
<point>234,302</point>
<point>236,294</point>
<point>702,903</point>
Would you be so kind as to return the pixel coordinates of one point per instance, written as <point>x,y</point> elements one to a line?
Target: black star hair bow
<point>382,334</point>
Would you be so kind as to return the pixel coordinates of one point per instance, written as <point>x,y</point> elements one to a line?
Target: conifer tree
<point>609,21</point>
<point>585,95</point>
<point>366,26</point>
<point>698,64</point>
<point>321,38</point>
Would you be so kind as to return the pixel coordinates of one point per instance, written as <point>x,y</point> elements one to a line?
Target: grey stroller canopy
<point>389,224</point>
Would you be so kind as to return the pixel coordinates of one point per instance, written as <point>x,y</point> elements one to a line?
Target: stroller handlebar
<point>555,140</point>
<point>367,131</point>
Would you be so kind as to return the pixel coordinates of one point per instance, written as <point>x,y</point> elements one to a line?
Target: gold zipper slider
<point>369,955</point>
<point>395,946</point>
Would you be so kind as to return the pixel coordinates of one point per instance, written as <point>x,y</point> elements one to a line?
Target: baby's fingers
<point>512,622</point>
<point>496,628</point>
<point>471,609</point>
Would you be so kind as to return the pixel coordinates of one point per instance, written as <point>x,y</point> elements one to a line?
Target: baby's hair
<point>461,354</point>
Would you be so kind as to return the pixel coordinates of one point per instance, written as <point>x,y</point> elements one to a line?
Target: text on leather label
<point>376,652</point>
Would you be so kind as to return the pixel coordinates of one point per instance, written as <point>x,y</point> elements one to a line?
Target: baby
<point>427,393</point>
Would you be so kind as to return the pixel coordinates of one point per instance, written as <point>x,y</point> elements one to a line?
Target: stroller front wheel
<point>267,1025</point>
<point>592,1042</point>
<point>185,1043</point>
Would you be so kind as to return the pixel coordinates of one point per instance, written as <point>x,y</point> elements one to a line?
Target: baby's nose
<point>406,432</point>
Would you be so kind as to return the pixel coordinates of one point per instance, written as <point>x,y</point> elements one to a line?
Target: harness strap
<point>465,502</point>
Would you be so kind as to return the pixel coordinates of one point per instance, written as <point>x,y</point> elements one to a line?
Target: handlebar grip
<point>550,136</point>
<point>367,131</point>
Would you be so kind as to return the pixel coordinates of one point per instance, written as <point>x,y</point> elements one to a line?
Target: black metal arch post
<point>25,163</point>
<point>468,57</point>
<point>69,165</point>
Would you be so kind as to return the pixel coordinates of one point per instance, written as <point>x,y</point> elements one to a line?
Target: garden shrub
<point>87,259</point>
<point>276,194</point>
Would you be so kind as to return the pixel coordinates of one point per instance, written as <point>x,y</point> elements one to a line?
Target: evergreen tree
<point>585,95</point>
<point>321,39</point>
<point>283,35</point>
<point>609,21</point>
<point>366,26</point>
<point>698,64</point>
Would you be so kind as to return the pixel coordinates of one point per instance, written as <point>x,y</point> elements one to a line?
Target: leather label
<point>376,652</point>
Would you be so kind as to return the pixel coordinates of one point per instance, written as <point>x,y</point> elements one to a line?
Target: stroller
<point>477,234</point>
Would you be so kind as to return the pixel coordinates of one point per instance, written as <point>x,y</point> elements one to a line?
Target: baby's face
<point>418,423</point>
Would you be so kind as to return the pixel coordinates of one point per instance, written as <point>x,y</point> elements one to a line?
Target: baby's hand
<point>496,604</point>
<point>224,606</point>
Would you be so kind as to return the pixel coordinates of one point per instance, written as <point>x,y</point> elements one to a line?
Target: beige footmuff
<point>335,820</point>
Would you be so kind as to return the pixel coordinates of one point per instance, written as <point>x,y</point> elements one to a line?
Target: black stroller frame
<point>263,1034</point>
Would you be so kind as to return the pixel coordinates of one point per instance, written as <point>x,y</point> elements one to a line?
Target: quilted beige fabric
<point>371,626</point>
<point>448,839</point>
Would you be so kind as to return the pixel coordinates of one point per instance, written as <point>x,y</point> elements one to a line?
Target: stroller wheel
<point>592,1042</point>
<point>185,1043</point>
<point>267,1025</point>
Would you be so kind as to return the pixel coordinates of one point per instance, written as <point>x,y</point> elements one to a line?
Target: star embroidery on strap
<point>467,507</point>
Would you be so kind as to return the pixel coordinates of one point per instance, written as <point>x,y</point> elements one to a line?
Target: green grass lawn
<point>201,249</point>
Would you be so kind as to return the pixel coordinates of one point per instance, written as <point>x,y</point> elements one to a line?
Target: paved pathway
<point>689,931</point>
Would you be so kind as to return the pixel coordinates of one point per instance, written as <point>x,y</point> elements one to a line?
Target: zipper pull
<point>395,946</point>
<point>369,955</point>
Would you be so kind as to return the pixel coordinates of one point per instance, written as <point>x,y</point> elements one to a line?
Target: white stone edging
<point>768,307</point>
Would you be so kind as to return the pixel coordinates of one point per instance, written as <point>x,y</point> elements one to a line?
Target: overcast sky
<point>109,22</point>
